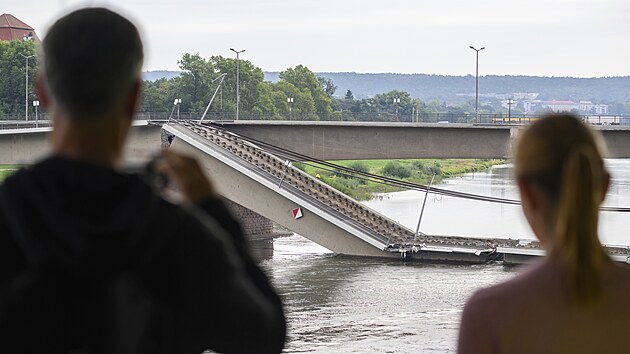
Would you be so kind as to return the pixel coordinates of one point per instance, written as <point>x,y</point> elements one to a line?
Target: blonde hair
<point>563,157</point>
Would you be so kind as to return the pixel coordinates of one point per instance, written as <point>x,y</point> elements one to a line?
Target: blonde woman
<point>575,300</point>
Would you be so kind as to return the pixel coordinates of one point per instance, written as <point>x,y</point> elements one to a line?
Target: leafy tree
<point>250,83</point>
<point>306,81</point>
<point>12,74</point>
<point>303,105</point>
<point>349,96</point>
<point>327,85</point>
<point>158,96</point>
<point>194,82</point>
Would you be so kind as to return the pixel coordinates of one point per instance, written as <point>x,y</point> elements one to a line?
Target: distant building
<point>590,107</point>
<point>12,29</point>
<point>531,105</point>
<point>561,106</point>
<point>583,107</point>
<point>525,95</point>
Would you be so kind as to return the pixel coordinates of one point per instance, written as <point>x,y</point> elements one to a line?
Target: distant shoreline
<point>458,88</point>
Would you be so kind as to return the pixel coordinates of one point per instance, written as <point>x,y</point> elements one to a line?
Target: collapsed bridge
<point>253,176</point>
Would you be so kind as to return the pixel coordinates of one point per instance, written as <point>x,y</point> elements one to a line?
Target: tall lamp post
<point>510,102</point>
<point>290,101</point>
<point>26,89</point>
<point>238,95</point>
<point>477,83</point>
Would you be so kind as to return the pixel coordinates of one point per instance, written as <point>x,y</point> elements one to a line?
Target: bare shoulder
<point>530,277</point>
<point>617,279</point>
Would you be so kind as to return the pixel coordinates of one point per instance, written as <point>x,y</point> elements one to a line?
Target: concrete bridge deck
<point>256,179</point>
<point>393,140</point>
<point>272,188</point>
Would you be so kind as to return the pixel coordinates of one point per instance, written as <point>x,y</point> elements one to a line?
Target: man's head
<point>92,59</point>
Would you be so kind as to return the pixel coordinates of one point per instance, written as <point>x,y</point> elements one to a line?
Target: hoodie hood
<point>78,217</point>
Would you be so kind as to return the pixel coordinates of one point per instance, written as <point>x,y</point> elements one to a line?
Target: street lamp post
<point>26,88</point>
<point>477,83</point>
<point>238,94</point>
<point>176,104</point>
<point>36,105</point>
<point>510,102</point>
<point>396,102</point>
<point>290,101</point>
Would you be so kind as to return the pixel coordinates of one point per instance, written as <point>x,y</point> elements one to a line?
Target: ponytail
<point>576,241</point>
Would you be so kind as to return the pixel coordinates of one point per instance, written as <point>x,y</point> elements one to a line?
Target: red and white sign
<point>297,213</point>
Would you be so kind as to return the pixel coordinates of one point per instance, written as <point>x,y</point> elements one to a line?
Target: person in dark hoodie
<point>91,259</point>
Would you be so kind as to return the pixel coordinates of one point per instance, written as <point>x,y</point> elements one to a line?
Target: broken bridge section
<point>257,179</point>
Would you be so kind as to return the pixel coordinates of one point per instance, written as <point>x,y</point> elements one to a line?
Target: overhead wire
<point>366,176</point>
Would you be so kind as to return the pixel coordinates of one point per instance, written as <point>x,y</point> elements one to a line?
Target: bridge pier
<point>254,225</point>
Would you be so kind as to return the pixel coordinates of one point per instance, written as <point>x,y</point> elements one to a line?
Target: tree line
<point>298,94</point>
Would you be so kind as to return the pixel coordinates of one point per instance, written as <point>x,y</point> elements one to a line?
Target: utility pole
<point>238,94</point>
<point>477,83</point>
<point>26,84</point>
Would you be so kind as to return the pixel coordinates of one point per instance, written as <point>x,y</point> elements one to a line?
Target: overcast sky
<point>536,37</point>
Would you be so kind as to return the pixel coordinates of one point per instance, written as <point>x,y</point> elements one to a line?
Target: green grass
<point>416,171</point>
<point>7,170</point>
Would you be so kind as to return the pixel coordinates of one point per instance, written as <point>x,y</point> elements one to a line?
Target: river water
<point>338,304</point>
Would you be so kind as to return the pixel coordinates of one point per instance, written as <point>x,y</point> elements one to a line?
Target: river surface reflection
<point>338,304</point>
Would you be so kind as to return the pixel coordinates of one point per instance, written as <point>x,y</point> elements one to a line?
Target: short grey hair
<point>92,58</point>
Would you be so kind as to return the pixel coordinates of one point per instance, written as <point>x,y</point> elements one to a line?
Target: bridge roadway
<point>258,180</point>
<point>24,143</point>
<point>392,140</point>
<point>324,140</point>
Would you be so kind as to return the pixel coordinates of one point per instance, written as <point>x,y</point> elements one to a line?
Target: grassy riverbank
<point>6,170</point>
<point>416,171</point>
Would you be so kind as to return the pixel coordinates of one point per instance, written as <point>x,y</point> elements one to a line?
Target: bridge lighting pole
<point>290,101</point>
<point>176,104</point>
<point>36,105</point>
<point>510,102</point>
<point>26,89</point>
<point>238,94</point>
<point>396,102</point>
<point>477,83</point>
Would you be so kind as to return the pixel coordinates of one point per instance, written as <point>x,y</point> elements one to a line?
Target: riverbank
<point>416,171</point>
<point>7,170</point>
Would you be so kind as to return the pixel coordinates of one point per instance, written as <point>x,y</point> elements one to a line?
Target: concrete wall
<point>618,141</point>
<point>23,146</point>
<point>329,140</point>
<point>26,146</point>
<point>360,140</point>
<point>347,141</point>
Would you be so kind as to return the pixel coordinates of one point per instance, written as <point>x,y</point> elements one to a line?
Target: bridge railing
<point>310,187</point>
<point>13,121</point>
<point>469,118</point>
